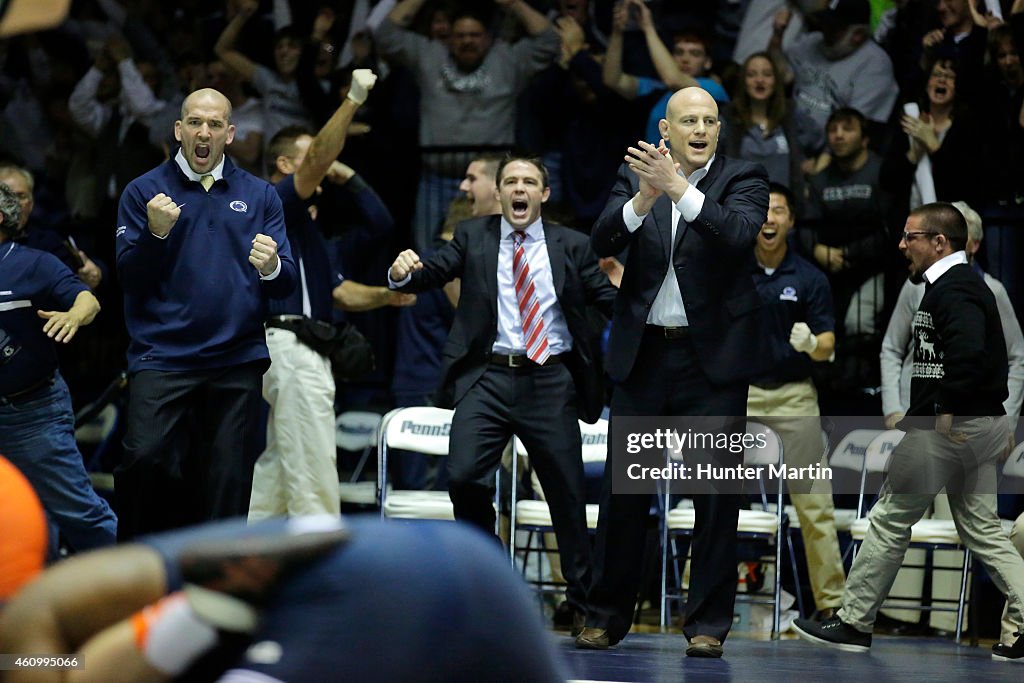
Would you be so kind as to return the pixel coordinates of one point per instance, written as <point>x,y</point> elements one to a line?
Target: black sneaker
<point>833,633</point>
<point>1010,653</point>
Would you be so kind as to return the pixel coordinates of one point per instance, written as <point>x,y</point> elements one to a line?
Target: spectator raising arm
<point>534,23</point>
<point>328,143</point>
<point>668,71</point>
<point>625,85</point>
<point>377,218</point>
<point>225,47</point>
<point>404,12</point>
<point>84,105</point>
<point>779,25</point>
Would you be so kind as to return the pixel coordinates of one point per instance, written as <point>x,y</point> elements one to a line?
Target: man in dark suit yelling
<point>684,323</point>
<point>520,357</point>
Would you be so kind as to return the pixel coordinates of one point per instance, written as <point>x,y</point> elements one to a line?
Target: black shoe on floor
<point>1010,653</point>
<point>833,633</point>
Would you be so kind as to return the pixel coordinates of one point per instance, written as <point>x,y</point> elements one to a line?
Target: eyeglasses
<point>908,236</point>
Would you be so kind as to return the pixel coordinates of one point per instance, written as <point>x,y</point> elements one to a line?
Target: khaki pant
<point>922,464</point>
<point>802,446</point>
<point>297,473</point>
<point>947,565</point>
<point>1008,627</point>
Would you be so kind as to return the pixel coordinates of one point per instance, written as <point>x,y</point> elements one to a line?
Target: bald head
<point>690,128</point>
<point>204,129</point>
<point>210,97</point>
<point>687,96</point>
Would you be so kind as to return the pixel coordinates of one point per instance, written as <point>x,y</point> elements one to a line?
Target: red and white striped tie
<point>530,318</point>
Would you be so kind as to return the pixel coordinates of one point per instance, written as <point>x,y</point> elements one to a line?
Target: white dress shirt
<point>510,337</point>
<point>668,309</point>
<point>939,268</point>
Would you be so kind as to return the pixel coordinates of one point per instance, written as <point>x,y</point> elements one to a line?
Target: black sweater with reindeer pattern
<point>960,363</point>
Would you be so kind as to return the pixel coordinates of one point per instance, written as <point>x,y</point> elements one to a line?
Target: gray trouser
<point>922,464</point>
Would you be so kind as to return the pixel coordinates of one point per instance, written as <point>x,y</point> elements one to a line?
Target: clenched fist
<point>407,262</point>
<point>162,213</point>
<point>263,254</point>
<point>362,84</point>
<point>802,339</point>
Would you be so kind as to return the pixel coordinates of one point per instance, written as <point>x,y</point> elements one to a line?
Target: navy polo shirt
<point>795,292</point>
<point>193,301</point>
<point>308,245</point>
<point>30,281</point>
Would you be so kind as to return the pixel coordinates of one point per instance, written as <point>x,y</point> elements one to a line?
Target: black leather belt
<point>770,386</point>
<point>25,393</point>
<point>669,332</point>
<point>519,360</point>
<point>285,322</point>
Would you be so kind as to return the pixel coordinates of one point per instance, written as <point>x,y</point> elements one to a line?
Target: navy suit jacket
<point>473,256</point>
<point>712,266</point>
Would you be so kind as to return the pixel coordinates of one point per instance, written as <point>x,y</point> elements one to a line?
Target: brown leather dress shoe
<point>593,639</point>
<point>704,646</point>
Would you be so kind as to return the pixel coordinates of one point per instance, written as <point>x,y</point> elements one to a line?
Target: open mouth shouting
<point>202,152</point>
<point>520,208</point>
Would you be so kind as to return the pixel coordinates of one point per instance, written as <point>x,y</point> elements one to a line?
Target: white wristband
<point>176,636</point>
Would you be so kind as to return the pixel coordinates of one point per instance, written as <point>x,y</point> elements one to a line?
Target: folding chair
<point>753,525</point>
<point>534,517</point>
<point>356,431</point>
<point>96,427</point>
<point>421,429</point>
<point>928,535</point>
<point>847,463</point>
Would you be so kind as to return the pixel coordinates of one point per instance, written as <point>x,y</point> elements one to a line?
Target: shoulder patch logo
<point>121,229</point>
<point>788,294</point>
<point>239,206</point>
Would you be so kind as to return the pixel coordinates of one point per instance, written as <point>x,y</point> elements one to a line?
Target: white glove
<point>362,84</point>
<point>802,339</point>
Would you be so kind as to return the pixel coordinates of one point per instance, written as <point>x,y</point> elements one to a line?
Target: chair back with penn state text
<point>420,429</point>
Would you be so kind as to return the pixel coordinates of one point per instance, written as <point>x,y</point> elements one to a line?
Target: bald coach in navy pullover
<point>201,246</point>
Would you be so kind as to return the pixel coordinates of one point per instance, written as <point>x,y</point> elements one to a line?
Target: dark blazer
<point>712,259</point>
<point>473,256</point>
